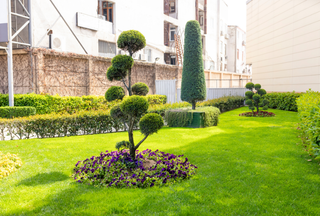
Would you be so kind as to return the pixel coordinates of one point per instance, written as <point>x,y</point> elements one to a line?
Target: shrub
<point>131,41</point>
<point>150,123</point>
<point>283,101</point>
<point>12,112</point>
<point>134,106</point>
<point>309,113</point>
<point>156,99</point>
<point>193,85</point>
<point>254,99</point>
<point>225,103</point>
<point>115,74</point>
<point>140,88</point>
<point>116,169</point>
<point>122,63</point>
<point>9,163</point>
<point>114,93</point>
<point>258,114</point>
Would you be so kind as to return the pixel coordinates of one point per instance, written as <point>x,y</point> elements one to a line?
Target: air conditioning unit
<point>221,33</point>
<point>101,17</point>
<point>226,36</point>
<point>135,56</point>
<point>144,57</point>
<point>57,42</point>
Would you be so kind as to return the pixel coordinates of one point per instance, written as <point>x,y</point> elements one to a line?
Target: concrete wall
<point>283,44</point>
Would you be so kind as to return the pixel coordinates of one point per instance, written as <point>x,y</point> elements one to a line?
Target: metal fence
<point>215,88</point>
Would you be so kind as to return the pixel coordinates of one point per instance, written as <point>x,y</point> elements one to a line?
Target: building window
<point>107,10</point>
<point>148,53</point>
<point>107,49</point>
<point>238,54</point>
<point>173,60</point>
<point>201,18</point>
<point>172,7</point>
<point>172,33</point>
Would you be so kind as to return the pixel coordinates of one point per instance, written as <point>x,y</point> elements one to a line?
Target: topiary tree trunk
<point>193,85</point>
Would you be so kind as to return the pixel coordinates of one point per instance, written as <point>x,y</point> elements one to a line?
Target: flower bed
<point>117,169</point>
<point>258,114</point>
<point>9,163</point>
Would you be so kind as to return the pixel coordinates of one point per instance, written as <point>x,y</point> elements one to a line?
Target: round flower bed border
<point>258,114</point>
<point>117,169</point>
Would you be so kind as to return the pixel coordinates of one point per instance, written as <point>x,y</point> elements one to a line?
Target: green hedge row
<point>309,113</point>
<point>283,101</point>
<point>12,112</point>
<point>225,103</point>
<point>46,104</point>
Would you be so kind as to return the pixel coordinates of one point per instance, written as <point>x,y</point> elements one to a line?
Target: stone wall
<point>69,74</point>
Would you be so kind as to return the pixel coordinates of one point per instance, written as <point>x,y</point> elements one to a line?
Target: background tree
<point>255,99</point>
<point>193,85</point>
<point>130,111</point>
<point>131,41</point>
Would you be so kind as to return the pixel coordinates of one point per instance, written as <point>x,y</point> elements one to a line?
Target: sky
<point>237,13</point>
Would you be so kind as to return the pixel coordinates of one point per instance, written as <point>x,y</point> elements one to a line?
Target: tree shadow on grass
<point>44,178</point>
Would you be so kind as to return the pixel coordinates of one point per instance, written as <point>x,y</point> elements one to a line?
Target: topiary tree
<point>130,111</point>
<point>114,93</point>
<point>193,85</point>
<point>255,99</point>
<point>131,41</point>
<point>140,88</point>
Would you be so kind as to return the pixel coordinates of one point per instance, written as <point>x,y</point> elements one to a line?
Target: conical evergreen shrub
<point>193,86</point>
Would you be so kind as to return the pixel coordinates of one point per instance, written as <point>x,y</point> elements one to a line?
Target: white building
<point>237,50</point>
<point>97,24</point>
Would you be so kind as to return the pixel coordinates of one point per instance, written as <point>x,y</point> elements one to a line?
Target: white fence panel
<point>168,88</point>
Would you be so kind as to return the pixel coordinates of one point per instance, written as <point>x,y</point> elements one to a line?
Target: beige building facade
<point>283,44</point>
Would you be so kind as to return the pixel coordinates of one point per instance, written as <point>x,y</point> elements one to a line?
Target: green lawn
<point>247,166</point>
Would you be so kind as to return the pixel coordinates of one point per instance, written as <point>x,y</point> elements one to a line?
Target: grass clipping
<point>9,163</point>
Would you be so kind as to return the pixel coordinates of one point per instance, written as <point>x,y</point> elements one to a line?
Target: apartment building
<point>237,50</point>
<point>283,44</point>
<point>93,26</point>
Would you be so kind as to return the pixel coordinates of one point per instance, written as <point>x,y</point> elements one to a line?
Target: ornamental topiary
<point>131,110</point>
<point>131,41</point>
<point>140,88</point>
<point>255,99</point>
<point>115,93</point>
<point>193,85</point>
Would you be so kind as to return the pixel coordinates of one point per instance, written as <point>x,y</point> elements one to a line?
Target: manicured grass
<point>247,166</point>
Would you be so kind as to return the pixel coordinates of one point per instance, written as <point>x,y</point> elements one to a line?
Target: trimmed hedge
<point>46,104</point>
<point>283,101</point>
<point>225,103</point>
<point>184,117</point>
<point>12,112</point>
<point>309,113</point>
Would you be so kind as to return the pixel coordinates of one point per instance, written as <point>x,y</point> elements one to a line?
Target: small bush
<point>12,112</point>
<point>114,93</point>
<point>9,163</point>
<point>140,88</point>
<point>225,103</point>
<point>117,169</point>
<point>283,101</point>
<point>134,106</point>
<point>258,114</point>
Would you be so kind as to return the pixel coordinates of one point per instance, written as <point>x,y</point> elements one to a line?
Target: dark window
<point>173,60</point>
<point>172,7</point>
<point>107,10</point>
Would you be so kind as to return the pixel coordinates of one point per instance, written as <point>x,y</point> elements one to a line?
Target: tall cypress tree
<point>193,86</point>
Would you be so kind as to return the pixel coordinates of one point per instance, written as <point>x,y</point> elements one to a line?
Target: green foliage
<point>184,117</point>
<point>254,99</point>
<point>140,88</point>
<point>116,113</point>
<point>225,103</point>
<point>131,41</point>
<point>193,85</point>
<point>123,145</point>
<point>115,74</point>
<point>46,104</point>
<point>249,86</point>
<point>150,123</point>
<point>114,93</point>
<point>156,99</point>
<point>122,62</point>
<point>309,113</point>
<point>134,106</point>
<point>283,101</point>
<point>9,163</point>
<point>12,112</point>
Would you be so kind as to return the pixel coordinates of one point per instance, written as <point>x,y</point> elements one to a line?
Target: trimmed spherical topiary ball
<point>140,88</point>
<point>249,102</point>
<point>116,113</point>
<point>150,123</point>
<point>123,145</point>
<point>115,93</point>
<point>131,41</point>
<point>122,62</point>
<point>256,97</point>
<point>114,74</point>
<point>262,92</point>
<point>257,86</point>
<point>134,106</point>
<point>249,85</point>
<point>249,94</point>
